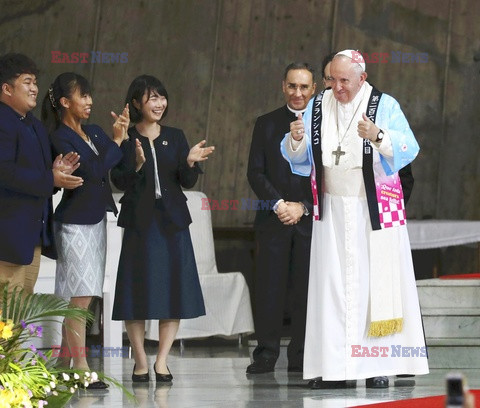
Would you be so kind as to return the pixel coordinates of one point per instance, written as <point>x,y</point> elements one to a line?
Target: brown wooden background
<point>222,63</point>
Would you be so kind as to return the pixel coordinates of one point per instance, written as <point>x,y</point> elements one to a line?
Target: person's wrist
<point>275,206</point>
<point>297,137</point>
<point>379,137</point>
<point>305,209</point>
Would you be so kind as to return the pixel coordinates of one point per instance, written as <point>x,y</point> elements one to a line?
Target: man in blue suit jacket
<point>27,177</point>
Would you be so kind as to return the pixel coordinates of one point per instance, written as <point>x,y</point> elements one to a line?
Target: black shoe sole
<point>331,385</point>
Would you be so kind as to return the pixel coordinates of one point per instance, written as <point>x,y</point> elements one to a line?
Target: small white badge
<point>165,143</point>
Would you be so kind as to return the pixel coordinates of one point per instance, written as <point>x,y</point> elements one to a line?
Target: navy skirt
<point>157,275</point>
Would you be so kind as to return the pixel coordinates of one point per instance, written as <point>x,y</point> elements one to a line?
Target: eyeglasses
<point>294,87</point>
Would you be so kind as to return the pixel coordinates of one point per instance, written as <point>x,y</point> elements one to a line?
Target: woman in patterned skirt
<point>157,274</point>
<point>80,218</point>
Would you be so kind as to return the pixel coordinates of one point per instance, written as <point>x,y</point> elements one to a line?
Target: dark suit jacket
<point>26,187</point>
<point>87,204</point>
<point>138,202</point>
<point>269,173</point>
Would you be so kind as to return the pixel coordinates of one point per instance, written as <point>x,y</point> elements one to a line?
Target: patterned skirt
<point>81,259</point>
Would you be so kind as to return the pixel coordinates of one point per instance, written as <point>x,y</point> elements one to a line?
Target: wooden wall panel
<point>256,41</point>
<point>222,62</point>
<point>392,27</point>
<point>172,40</point>
<point>458,176</point>
<point>36,28</point>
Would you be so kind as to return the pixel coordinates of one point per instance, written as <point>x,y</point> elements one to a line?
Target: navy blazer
<point>87,204</point>
<point>26,187</point>
<point>269,174</point>
<point>138,202</point>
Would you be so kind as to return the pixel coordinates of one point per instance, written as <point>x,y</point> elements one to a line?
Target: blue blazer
<point>26,187</point>
<point>87,204</point>
<point>138,202</point>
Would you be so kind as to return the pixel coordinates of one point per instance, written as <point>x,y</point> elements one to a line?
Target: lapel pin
<point>165,143</point>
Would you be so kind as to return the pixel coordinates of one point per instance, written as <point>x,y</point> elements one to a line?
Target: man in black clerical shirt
<point>283,232</point>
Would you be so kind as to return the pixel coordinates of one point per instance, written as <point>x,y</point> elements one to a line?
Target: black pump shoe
<point>163,377</point>
<point>140,377</point>
<point>97,385</point>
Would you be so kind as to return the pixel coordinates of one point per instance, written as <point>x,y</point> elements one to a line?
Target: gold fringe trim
<point>385,327</point>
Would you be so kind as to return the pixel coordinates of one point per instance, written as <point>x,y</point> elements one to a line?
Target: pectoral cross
<point>339,152</point>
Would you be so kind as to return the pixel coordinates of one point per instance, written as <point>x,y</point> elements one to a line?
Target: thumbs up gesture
<point>367,129</point>
<point>297,130</point>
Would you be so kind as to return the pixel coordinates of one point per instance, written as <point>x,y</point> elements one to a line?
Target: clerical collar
<point>295,111</point>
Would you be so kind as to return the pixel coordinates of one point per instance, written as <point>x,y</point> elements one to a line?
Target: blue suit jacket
<point>26,187</point>
<point>87,204</point>
<point>138,202</point>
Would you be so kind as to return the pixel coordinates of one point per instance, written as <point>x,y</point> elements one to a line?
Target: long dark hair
<point>64,85</point>
<point>136,90</point>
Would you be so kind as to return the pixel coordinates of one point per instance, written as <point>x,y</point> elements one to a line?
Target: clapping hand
<point>63,167</point>
<point>199,153</point>
<point>120,126</point>
<point>139,155</point>
<point>68,163</point>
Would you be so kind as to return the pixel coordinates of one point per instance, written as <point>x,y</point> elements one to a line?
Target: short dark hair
<point>12,65</point>
<point>299,65</point>
<point>136,90</point>
<point>328,58</point>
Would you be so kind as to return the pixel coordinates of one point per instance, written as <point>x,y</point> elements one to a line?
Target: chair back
<point>201,232</point>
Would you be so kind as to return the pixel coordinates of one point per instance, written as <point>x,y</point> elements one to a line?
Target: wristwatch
<point>379,136</point>
<point>305,210</point>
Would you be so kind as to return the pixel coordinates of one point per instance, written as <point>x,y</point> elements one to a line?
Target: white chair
<point>226,295</point>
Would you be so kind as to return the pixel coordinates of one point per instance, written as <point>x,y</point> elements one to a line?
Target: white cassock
<point>336,344</point>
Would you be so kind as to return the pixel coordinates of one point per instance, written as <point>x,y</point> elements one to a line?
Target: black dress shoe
<point>140,377</point>
<point>97,385</point>
<point>376,382</point>
<point>261,366</point>
<point>319,384</point>
<point>165,378</point>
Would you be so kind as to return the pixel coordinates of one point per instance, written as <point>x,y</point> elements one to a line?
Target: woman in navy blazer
<point>157,274</point>
<point>80,217</point>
